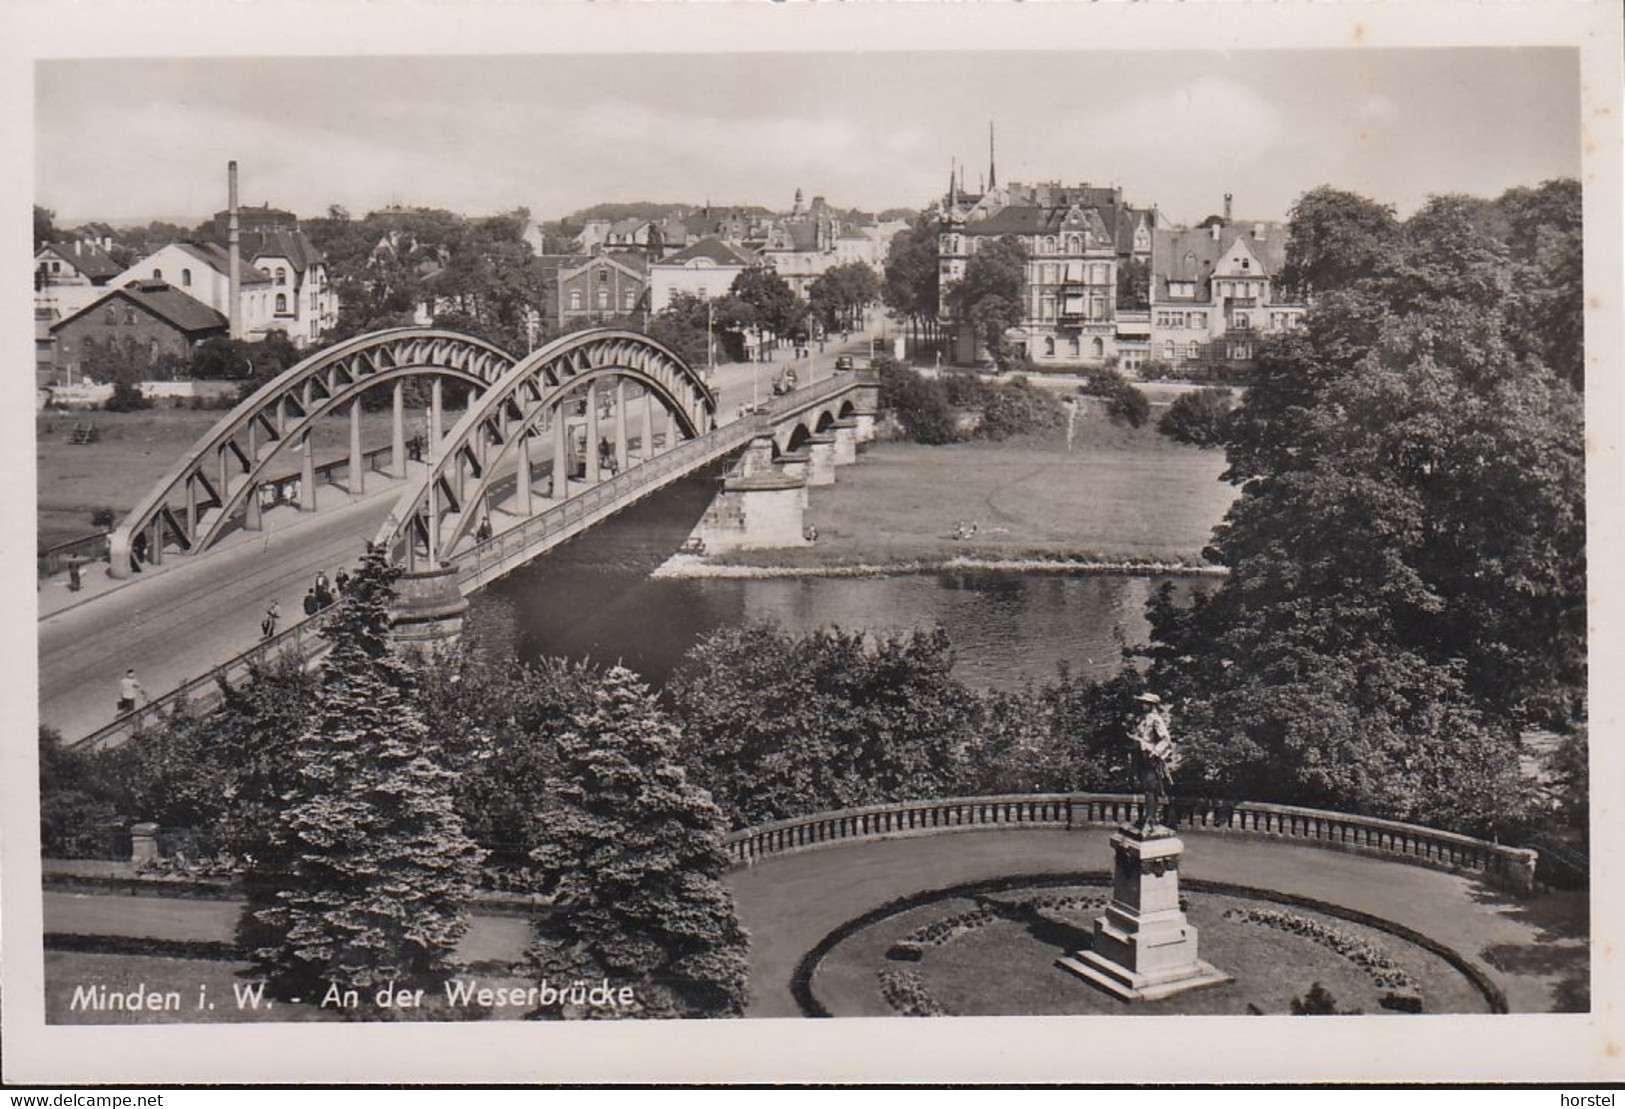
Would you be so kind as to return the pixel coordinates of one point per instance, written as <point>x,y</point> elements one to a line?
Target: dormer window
<point>157,274</point>
<point>281,276</point>
<point>186,277</point>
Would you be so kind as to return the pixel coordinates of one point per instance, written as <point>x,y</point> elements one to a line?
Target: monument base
<point>1144,949</point>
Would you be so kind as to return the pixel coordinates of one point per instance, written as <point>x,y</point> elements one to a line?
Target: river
<point>593,599</point>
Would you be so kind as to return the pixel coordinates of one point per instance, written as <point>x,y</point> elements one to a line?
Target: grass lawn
<point>136,449</point>
<point>1120,494</point>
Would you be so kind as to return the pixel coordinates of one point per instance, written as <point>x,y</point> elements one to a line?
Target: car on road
<point>843,364</point>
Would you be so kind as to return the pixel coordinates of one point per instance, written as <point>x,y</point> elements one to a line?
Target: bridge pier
<point>846,441</point>
<point>758,457</point>
<point>865,422</point>
<point>821,459</point>
<point>763,510</point>
<point>428,609</point>
<point>795,464</point>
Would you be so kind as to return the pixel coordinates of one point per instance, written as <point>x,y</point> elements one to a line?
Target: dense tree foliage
<point>774,306</point>
<point>632,853</point>
<point>839,295</point>
<point>1134,284</point>
<point>1126,405</point>
<point>368,871</point>
<point>1406,555</point>
<point>1198,417</point>
<point>44,226</point>
<point>990,296</point>
<point>775,725</point>
<point>912,272</point>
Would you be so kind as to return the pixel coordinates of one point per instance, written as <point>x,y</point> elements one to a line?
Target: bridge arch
<point>561,395</point>
<point>218,480</point>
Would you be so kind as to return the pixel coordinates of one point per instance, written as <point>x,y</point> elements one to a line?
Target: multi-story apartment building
<point>1209,292</point>
<point>1075,239</point>
<point>598,287</point>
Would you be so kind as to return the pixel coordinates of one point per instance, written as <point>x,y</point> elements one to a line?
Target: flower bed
<point>1404,991</point>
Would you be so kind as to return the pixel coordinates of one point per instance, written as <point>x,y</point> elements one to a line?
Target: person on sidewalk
<point>268,625</point>
<point>312,605</point>
<point>129,691</point>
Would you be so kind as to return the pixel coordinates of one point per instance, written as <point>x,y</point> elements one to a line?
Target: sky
<point>127,139</point>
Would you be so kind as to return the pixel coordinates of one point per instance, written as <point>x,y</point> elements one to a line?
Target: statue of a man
<point>1156,757</point>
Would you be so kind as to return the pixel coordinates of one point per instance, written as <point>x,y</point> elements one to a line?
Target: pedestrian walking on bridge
<point>273,614</point>
<point>129,691</point>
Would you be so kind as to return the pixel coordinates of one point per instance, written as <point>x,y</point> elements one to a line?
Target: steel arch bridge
<point>569,397</point>
<point>218,481</point>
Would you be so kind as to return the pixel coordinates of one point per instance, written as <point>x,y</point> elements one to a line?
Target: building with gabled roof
<point>1215,292</point>
<point>154,314</point>
<point>705,269</point>
<point>200,270</point>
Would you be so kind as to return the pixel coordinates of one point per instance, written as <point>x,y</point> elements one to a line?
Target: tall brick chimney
<point>1227,208</point>
<point>234,299</point>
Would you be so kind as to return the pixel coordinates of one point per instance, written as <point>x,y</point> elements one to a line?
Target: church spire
<point>992,176</point>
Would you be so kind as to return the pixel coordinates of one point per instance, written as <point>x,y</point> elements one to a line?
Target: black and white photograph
<point>637,533</point>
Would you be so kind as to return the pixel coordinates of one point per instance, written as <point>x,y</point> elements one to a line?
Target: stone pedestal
<point>143,843</point>
<point>428,609</point>
<point>1144,949</point>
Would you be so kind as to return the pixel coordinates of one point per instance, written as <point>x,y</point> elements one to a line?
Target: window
<point>1241,322</point>
<point>157,274</point>
<point>1167,350</point>
<point>603,276</point>
<point>282,304</point>
<point>1098,347</point>
<point>281,276</point>
<point>1049,244</point>
<point>56,267</point>
<point>627,301</point>
<point>1246,263</point>
<point>1049,347</point>
<point>1074,244</point>
<point>1199,319</point>
<point>575,299</point>
<point>603,300</point>
<point>1074,347</point>
<point>111,315</point>
<point>129,316</point>
<point>186,277</point>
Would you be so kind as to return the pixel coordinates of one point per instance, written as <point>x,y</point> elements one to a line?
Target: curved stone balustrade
<point>1413,843</point>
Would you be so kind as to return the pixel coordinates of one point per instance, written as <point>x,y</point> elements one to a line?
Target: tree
<point>775,304</point>
<point>840,293</point>
<point>776,725</point>
<point>1336,237</point>
<point>44,226</point>
<point>1407,574</point>
<point>368,871</point>
<point>912,272</point>
<point>991,294</point>
<point>633,851</point>
<point>920,404</point>
<point>1133,284</point>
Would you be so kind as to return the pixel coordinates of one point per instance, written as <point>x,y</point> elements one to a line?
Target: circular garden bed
<point>990,949</point>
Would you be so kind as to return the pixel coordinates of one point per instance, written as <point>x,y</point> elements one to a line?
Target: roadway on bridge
<point>177,622</point>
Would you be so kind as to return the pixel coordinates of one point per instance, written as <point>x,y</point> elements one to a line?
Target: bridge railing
<point>301,643</point>
<point>515,544</point>
<point>1414,843</point>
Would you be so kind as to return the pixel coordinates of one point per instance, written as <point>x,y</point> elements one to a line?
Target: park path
<point>1536,951</point>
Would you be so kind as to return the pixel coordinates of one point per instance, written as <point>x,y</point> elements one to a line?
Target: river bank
<point>1121,500</point>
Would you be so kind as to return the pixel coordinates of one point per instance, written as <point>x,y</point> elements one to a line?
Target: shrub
<point>1319,1002</point>
<point>1124,403</point>
<point>1198,417</point>
<point>1155,369</point>
<point>1017,408</point>
<point>127,397</point>
<point>921,406</point>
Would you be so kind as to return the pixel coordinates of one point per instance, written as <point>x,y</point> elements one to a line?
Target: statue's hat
<point>1149,698</point>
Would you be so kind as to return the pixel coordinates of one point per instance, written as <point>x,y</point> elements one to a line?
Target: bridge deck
<point>177,622</point>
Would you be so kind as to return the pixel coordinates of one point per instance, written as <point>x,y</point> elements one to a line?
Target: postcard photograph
<point>539,536</point>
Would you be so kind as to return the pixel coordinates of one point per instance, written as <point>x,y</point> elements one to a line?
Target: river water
<point>593,599</point>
